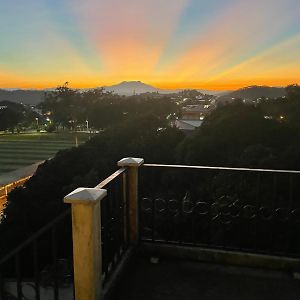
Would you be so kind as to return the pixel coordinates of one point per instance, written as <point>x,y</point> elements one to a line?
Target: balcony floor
<point>180,279</point>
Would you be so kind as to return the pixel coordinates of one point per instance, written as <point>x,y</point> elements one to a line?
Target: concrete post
<point>86,227</point>
<point>132,165</point>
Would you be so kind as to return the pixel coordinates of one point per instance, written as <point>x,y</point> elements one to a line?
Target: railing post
<point>86,228</point>
<point>132,164</point>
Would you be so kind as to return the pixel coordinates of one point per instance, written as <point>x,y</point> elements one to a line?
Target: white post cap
<point>130,162</point>
<point>85,196</point>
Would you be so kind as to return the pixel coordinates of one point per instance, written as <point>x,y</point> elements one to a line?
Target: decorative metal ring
<point>282,214</point>
<point>224,210</point>
<point>173,206</point>
<point>202,208</point>
<point>265,213</point>
<point>144,206</point>
<point>296,215</point>
<point>236,209</point>
<point>226,220</point>
<point>185,208</point>
<point>159,201</point>
<point>215,211</point>
<point>249,211</point>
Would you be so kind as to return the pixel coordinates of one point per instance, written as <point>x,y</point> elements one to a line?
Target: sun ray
<point>170,43</point>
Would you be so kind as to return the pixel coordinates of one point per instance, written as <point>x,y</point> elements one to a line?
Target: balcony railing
<point>232,210</point>
<point>250,210</point>
<point>114,222</point>
<point>41,267</point>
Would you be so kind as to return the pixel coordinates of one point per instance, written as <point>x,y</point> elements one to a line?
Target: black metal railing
<point>114,222</point>
<point>251,210</point>
<point>41,267</point>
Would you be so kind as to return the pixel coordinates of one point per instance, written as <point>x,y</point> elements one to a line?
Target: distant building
<point>225,100</point>
<point>196,112</point>
<point>193,116</point>
<point>187,125</point>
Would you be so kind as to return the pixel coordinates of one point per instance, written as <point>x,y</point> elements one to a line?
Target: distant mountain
<point>128,88</point>
<point>32,97</point>
<point>131,88</point>
<point>254,92</point>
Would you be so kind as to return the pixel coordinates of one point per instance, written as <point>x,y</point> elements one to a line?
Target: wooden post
<point>132,164</point>
<point>86,227</point>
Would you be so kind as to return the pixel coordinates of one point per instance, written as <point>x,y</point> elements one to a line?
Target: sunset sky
<point>211,44</point>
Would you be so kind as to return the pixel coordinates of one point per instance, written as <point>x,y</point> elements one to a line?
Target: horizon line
<point>78,87</point>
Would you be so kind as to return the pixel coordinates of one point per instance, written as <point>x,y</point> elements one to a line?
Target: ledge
<point>223,256</point>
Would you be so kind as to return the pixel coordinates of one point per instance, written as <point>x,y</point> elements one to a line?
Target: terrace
<point>166,232</point>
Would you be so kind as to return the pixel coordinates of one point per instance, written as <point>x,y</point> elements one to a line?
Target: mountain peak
<point>131,87</point>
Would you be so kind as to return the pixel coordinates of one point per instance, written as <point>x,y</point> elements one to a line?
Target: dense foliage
<point>69,108</point>
<point>14,116</point>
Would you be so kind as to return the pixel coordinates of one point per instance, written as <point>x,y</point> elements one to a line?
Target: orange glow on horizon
<point>170,44</point>
<point>216,86</point>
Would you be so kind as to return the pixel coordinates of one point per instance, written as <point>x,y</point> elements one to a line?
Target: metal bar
<point>110,227</point>
<point>107,233</point>
<point>257,202</point>
<point>2,282</point>
<point>240,218</point>
<point>35,235</point>
<point>127,208</point>
<point>113,204</point>
<point>124,214</point>
<point>219,168</point>
<point>290,207</point>
<point>273,207</point>
<point>153,220</point>
<point>120,219</point>
<point>167,215</point>
<point>18,274</point>
<point>36,270</point>
<point>54,261</point>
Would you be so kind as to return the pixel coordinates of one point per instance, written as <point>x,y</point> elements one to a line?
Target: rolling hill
<point>31,97</point>
<point>254,92</point>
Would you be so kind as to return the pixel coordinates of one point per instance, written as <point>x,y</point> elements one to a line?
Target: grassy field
<point>21,150</point>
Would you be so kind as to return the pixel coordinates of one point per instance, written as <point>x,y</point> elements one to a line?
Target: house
<point>196,112</point>
<point>188,124</point>
<point>193,116</point>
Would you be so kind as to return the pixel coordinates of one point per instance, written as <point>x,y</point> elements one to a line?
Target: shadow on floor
<point>178,279</point>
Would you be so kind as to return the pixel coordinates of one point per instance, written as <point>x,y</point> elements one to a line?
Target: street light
<point>37,122</point>
<point>87,125</point>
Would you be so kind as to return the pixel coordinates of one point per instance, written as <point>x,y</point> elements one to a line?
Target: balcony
<point>166,232</point>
